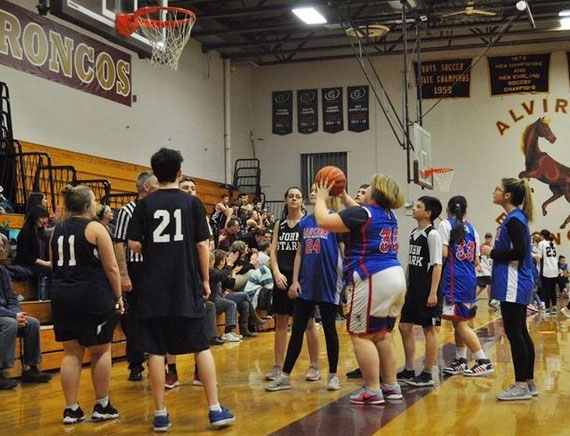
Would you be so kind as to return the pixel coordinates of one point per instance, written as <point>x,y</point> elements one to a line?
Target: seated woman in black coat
<point>33,253</point>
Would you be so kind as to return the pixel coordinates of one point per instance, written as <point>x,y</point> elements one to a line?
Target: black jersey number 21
<point>159,235</point>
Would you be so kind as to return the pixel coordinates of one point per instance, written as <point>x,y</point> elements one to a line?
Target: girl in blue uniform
<point>459,285</point>
<point>379,282</point>
<point>317,280</point>
<point>513,280</point>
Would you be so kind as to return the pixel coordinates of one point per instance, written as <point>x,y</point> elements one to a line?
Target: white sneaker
<point>229,337</point>
<point>333,383</point>
<point>236,335</point>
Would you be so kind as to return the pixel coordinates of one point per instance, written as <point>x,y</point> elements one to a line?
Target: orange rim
<point>431,171</point>
<point>127,24</point>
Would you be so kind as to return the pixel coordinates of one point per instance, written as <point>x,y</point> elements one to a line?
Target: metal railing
<point>100,187</point>
<point>116,200</point>
<point>51,179</point>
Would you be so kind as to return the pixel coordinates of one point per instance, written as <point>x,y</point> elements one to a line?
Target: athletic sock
<point>409,368</point>
<point>172,368</point>
<point>160,412</point>
<point>461,353</point>
<point>479,355</point>
<point>215,408</point>
<point>386,385</point>
<point>427,370</point>
<point>103,401</point>
<point>73,407</point>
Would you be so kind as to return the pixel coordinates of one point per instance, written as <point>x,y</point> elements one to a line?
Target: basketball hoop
<point>442,176</point>
<point>166,28</point>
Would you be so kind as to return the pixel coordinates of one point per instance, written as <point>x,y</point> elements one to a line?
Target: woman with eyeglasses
<point>283,250</point>
<point>513,281</point>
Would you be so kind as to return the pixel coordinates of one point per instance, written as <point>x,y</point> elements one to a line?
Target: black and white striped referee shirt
<point>123,219</point>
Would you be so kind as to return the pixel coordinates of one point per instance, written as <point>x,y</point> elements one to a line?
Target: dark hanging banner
<point>333,120</point>
<point>307,111</point>
<point>445,79</point>
<point>282,112</point>
<point>519,74</point>
<point>358,109</point>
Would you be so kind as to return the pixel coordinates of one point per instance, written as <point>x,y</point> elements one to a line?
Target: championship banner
<point>519,74</point>
<point>282,112</point>
<point>358,109</point>
<point>36,45</point>
<point>445,79</point>
<point>333,120</point>
<point>307,111</point>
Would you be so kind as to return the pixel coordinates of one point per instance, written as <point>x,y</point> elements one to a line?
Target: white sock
<point>410,368</point>
<point>427,370</point>
<point>160,412</point>
<point>461,353</point>
<point>479,355</point>
<point>103,401</point>
<point>73,407</point>
<point>215,408</point>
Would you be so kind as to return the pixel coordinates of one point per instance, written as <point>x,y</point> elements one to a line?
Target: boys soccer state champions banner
<point>39,46</point>
<point>450,78</point>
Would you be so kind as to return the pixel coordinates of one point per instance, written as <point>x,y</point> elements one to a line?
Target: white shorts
<point>376,301</point>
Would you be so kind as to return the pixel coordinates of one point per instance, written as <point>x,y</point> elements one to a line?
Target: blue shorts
<point>459,311</point>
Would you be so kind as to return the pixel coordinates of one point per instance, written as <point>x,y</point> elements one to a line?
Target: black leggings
<point>548,285</point>
<point>522,347</point>
<point>302,313</point>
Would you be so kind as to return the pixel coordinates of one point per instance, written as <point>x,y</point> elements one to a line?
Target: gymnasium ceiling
<point>265,32</point>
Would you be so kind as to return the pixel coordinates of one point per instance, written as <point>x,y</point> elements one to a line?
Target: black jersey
<point>79,281</point>
<point>287,243</point>
<point>425,252</point>
<point>169,223</point>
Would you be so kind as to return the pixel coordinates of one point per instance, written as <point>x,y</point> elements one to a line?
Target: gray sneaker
<point>275,371</point>
<point>313,374</point>
<point>532,388</point>
<point>279,384</point>
<point>514,393</point>
<point>333,383</point>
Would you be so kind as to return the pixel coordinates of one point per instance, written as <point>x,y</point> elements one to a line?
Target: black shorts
<point>417,313</point>
<point>87,330</point>
<point>281,303</point>
<point>173,335</point>
<point>483,281</point>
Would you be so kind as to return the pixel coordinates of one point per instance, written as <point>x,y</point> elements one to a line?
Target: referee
<point>130,265</point>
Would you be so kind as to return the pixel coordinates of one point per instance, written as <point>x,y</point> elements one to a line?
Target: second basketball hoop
<point>166,28</point>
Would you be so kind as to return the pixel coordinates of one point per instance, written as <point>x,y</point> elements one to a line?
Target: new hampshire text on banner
<point>36,45</point>
<point>521,74</point>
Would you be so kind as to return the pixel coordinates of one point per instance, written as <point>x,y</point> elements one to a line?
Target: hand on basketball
<point>432,300</point>
<point>323,189</point>
<point>486,250</point>
<point>294,291</point>
<point>126,285</point>
<point>281,281</point>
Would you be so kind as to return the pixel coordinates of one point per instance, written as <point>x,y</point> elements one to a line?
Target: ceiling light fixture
<point>564,13</point>
<point>310,15</point>
<point>565,23</point>
<point>521,5</point>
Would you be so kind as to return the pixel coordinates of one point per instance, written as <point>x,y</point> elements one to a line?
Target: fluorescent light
<point>565,23</point>
<point>310,15</point>
<point>564,13</point>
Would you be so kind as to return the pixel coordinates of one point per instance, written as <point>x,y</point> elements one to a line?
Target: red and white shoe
<point>171,380</point>
<point>481,367</point>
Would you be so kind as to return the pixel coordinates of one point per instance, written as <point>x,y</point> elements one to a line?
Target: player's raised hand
<point>323,189</point>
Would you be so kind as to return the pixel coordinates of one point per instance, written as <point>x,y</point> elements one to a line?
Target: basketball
<point>332,174</point>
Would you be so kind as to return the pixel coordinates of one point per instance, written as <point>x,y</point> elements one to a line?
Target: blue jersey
<point>372,246</point>
<point>513,281</point>
<point>320,276</point>
<point>459,281</point>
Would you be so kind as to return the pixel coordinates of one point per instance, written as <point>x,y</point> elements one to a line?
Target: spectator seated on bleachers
<point>15,323</point>
<point>220,277</point>
<point>259,286</point>
<point>256,237</point>
<point>222,212</point>
<point>228,235</point>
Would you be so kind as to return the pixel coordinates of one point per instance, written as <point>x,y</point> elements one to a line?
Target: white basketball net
<point>168,33</point>
<point>443,178</point>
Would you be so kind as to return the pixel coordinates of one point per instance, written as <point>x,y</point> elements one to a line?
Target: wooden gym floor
<point>457,406</point>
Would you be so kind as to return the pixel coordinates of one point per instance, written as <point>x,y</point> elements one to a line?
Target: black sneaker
<point>101,413</point>
<point>33,375</point>
<point>354,374</point>
<point>405,376</point>
<point>217,341</point>
<point>7,384</point>
<point>135,375</point>
<point>73,416</point>
<point>422,380</point>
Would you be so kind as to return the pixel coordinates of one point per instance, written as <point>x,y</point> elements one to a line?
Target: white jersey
<point>486,264</point>
<point>549,259</point>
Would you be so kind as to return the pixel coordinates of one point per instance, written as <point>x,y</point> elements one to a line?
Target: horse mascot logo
<point>539,165</point>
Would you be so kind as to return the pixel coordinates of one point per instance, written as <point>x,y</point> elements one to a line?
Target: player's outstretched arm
<point>328,221</point>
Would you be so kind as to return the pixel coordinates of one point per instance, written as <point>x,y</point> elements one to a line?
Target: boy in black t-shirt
<point>423,304</point>
<point>169,227</point>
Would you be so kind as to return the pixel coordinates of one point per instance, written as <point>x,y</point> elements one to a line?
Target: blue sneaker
<point>161,423</point>
<point>221,419</point>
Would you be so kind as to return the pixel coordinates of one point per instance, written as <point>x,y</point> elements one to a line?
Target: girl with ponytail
<point>513,281</point>
<point>459,285</point>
